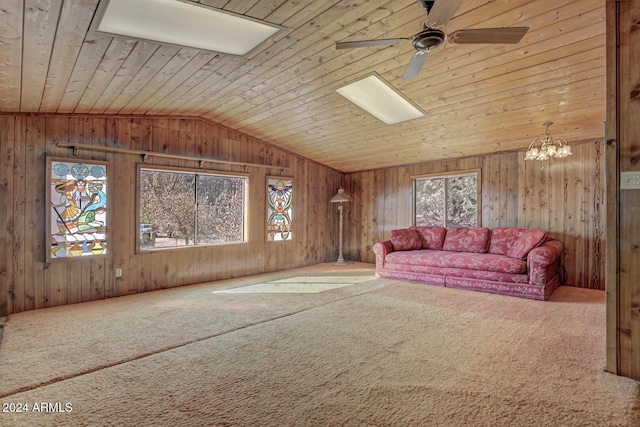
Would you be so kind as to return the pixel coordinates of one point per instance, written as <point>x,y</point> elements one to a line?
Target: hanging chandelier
<point>547,146</point>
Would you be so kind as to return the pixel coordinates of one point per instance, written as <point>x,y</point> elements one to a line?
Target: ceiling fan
<point>439,12</point>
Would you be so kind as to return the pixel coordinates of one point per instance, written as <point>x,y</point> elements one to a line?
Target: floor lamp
<point>341,197</point>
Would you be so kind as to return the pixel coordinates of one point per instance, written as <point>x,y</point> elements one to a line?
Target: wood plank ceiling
<point>479,98</point>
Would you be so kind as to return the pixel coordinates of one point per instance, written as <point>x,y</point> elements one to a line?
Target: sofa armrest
<point>381,249</point>
<point>543,262</point>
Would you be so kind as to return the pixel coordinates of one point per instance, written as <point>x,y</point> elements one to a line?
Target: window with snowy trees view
<point>447,200</point>
<point>185,208</point>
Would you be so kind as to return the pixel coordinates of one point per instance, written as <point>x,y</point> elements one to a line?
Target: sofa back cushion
<point>461,239</point>
<point>515,242</point>
<point>405,239</point>
<point>432,237</point>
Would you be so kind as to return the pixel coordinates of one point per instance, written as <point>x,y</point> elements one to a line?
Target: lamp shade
<point>548,147</point>
<point>341,197</point>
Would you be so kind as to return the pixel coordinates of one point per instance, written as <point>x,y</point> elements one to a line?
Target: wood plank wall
<point>623,155</point>
<point>563,196</point>
<point>27,282</point>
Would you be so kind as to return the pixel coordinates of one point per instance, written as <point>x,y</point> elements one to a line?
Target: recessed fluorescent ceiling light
<point>184,24</point>
<point>378,98</point>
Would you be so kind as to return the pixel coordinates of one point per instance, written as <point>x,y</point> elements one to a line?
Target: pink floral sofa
<point>509,261</point>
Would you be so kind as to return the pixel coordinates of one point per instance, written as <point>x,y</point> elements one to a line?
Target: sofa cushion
<point>461,239</point>
<point>432,237</point>
<point>515,242</point>
<point>405,239</point>
<point>458,260</point>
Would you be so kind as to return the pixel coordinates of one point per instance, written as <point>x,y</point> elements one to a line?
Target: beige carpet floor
<point>356,351</point>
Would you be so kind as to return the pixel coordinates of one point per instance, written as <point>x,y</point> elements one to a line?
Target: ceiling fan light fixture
<point>428,39</point>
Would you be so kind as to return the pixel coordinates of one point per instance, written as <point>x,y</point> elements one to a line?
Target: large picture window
<point>179,208</point>
<point>447,200</point>
<point>78,202</point>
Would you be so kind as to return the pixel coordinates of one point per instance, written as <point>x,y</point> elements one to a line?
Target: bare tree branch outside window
<point>185,209</point>
<point>447,201</point>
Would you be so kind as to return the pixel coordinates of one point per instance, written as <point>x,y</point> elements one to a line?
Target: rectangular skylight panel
<point>379,99</point>
<point>184,24</point>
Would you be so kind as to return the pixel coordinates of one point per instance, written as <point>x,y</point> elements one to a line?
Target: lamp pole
<point>340,198</point>
<point>340,260</point>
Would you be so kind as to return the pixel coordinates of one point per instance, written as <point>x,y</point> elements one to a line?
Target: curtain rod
<point>146,154</point>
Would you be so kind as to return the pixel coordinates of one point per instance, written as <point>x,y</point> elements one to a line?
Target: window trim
<point>452,174</point>
<point>195,171</point>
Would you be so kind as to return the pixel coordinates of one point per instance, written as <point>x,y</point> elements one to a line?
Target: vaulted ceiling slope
<point>478,98</point>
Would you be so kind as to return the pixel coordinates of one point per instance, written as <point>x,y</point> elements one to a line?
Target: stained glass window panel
<point>279,209</point>
<point>78,209</point>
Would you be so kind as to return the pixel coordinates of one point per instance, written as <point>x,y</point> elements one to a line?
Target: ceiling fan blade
<point>369,43</point>
<point>415,65</point>
<point>442,11</point>
<point>426,4</point>
<point>507,35</point>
